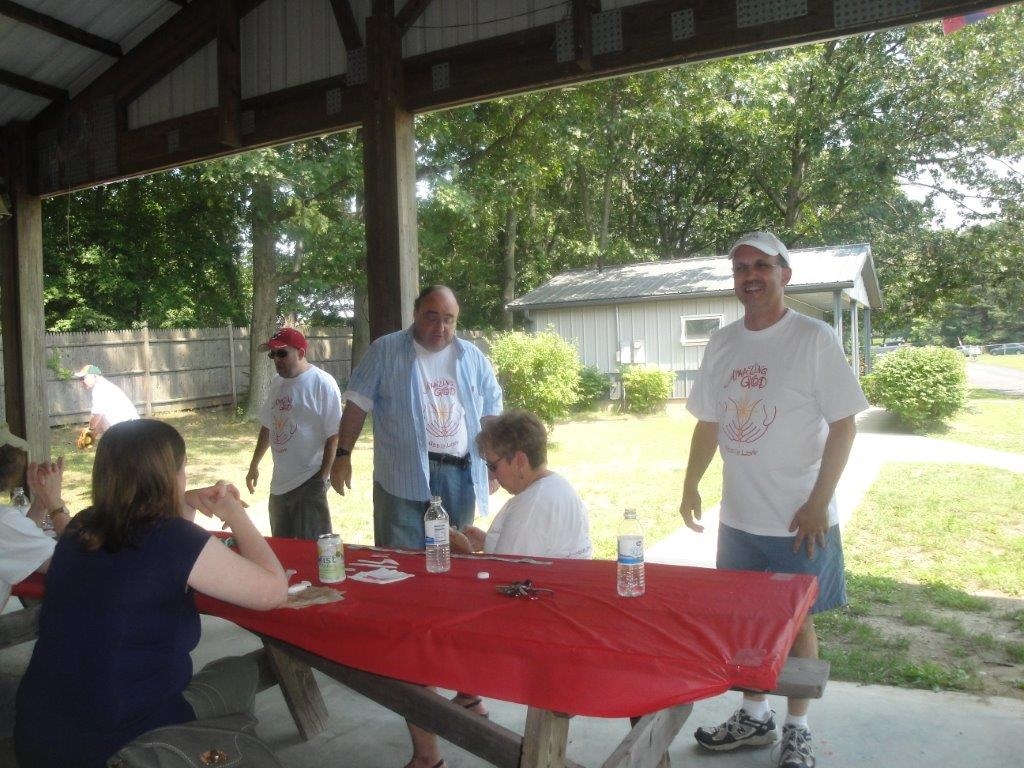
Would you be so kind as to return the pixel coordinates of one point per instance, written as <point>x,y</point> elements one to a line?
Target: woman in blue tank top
<point>119,622</point>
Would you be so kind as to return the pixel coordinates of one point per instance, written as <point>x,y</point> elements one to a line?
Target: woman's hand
<point>221,500</point>
<point>44,483</point>
<point>459,542</point>
<point>467,541</point>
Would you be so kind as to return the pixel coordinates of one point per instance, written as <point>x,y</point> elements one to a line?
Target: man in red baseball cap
<point>299,423</point>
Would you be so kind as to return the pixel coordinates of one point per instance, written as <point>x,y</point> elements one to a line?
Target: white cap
<point>766,243</point>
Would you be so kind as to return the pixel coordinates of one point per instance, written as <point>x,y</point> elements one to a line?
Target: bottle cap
<point>483,575</point>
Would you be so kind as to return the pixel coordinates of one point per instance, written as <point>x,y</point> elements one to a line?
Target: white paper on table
<point>381,576</point>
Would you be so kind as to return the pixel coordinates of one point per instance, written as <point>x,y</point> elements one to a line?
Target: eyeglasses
<point>278,353</point>
<point>757,266</point>
<point>492,466</point>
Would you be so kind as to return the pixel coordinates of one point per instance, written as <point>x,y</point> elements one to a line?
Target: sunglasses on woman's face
<point>278,353</point>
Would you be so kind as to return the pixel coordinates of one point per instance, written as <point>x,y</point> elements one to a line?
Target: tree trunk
<point>508,282</point>
<point>264,295</point>
<point>360,324</point>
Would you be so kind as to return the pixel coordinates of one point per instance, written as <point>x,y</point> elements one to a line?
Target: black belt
<point>462,462</point>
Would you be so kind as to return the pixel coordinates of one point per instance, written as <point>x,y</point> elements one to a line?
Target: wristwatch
<point>342,452</point>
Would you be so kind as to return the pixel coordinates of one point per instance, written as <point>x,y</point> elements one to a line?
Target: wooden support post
<point>389,173</point>
<point>647,744</point>
<point>544,739</point>
<point>229,74</point>
<point>21,308</point>
<point>231,367</point>
<point>147,375</point>
<point>301,693</point>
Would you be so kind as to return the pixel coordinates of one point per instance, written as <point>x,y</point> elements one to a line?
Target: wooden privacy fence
<point>170,369</point>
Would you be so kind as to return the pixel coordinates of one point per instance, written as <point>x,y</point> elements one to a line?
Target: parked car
<point>885,349</point>
<point>1013,348</point>
<point>969,350</point>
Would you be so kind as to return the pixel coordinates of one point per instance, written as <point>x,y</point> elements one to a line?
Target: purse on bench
<point>220,741</point>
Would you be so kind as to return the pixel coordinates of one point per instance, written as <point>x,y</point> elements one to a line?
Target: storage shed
<point>662,313</point>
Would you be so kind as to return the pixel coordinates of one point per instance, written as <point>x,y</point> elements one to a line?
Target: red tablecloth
<point>696,633</point>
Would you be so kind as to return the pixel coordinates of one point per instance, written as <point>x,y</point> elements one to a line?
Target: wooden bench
<point>18,627</point>
<point>801,679</point>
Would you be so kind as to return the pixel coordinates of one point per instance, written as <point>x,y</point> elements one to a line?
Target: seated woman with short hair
<point>119,621</point>
<point>544,518</point>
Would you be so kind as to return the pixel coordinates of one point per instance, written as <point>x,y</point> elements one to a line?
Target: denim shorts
<point>742,551</point>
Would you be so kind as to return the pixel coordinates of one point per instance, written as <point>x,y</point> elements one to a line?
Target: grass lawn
<point>1007,361</point>
<point>989,420</point>
<point>615,461</point>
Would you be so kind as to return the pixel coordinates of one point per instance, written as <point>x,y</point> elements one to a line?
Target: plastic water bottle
<point>435,530</point>
<point>631,556</point>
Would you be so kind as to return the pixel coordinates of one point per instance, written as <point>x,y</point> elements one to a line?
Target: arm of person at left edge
<point>44,482</point>
<point>811,521</point>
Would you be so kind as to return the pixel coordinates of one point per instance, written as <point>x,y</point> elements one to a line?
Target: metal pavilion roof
<point>32,48</point>
<point>817,272</point>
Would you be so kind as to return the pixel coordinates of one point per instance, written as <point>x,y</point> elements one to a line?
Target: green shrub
<point>593,386</point>
<point>539,372</point>
<point>922,385</point>
<point>647,389</point>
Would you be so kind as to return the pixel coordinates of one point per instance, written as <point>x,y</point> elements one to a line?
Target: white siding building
<point>661,313</point>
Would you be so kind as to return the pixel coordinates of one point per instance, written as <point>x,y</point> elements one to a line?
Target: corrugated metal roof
<point>814,269</point>
<point>46,58</point>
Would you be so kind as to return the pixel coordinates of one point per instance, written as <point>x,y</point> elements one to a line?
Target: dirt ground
<point>980,649</point>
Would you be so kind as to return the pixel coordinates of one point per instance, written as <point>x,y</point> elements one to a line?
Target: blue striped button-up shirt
<point>384,382</point>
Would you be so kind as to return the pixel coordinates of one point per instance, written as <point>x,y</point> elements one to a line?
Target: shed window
<point>698,328</point>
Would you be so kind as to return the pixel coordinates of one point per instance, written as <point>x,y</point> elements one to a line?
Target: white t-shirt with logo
<point>23,548</point>
<point>773,394</point>
<point>443,415</point>
<point>301,413</point>
<point>548,519</point>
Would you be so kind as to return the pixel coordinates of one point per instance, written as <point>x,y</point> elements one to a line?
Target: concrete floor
<point>854,726</point>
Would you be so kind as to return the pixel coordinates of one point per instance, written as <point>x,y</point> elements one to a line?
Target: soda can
<point>330,558</point>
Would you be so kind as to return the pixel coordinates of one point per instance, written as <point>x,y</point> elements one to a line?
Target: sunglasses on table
<point>279,353</point>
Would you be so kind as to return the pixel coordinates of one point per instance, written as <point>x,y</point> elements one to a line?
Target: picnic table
<point>578,650</point>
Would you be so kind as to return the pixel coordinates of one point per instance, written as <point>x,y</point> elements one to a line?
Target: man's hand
<point>341,474</point>
<point>689,508</point>
<point>811,524</point>
<point>251,478</point>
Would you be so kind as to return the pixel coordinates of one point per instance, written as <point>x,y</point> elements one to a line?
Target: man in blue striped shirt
<point>428,391</point>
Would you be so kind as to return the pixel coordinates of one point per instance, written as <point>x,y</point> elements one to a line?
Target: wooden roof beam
<point>347,24</point>
<point>581,31</point>
<point>411,11</point>
<point>59,28</point>
<point>229,73</point>
<point>28,85</point>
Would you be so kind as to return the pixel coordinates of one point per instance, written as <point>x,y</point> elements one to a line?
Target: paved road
<point>997,377</point>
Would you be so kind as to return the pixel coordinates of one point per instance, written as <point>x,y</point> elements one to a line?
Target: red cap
<point>286,337</point>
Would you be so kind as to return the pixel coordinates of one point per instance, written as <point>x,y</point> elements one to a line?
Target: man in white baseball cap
<point>784,429</point>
